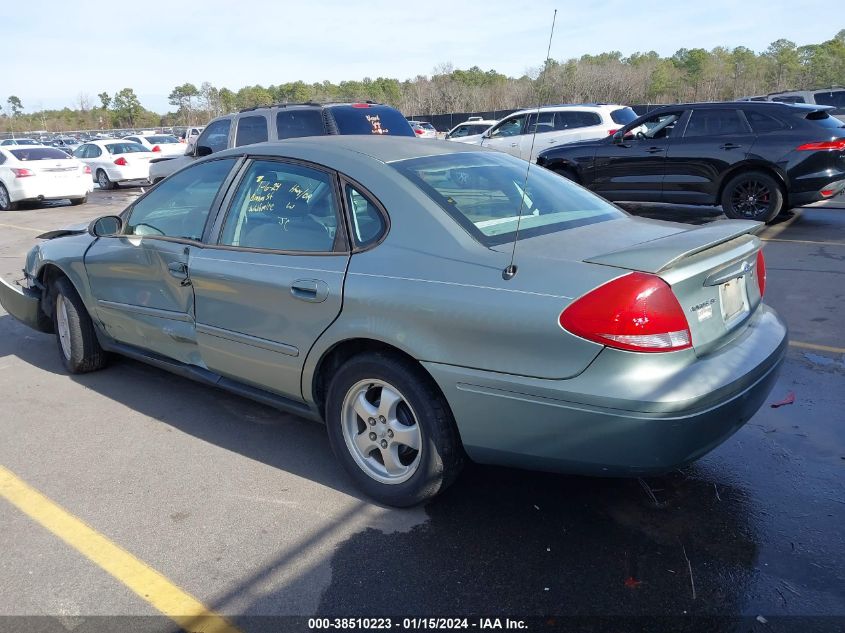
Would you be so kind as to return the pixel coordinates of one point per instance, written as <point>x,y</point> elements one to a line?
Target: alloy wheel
<point>751,198</point>
<point>381,431</point>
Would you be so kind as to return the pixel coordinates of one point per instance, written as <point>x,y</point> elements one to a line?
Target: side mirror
<point>106,226</point>
<point>618,137</point>
<point>202,150</point>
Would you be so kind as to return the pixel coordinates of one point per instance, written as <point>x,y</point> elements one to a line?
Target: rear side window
<point>715,122</point>
<point>762,123</point>
<point>251,129</point>
<point>571,120</point>
<point>297,123</point>
<point>368,119</point>
<point>38,153</point>
<point>368,225</point>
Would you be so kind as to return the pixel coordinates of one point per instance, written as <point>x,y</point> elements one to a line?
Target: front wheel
<point>392,429</point>
<point>752,195</point>
<point>79,348</point>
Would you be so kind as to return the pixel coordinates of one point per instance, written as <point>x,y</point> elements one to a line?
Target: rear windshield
<point>484,193</point>
<point>369,119</point>
<point>161,140</point>
<point>39,153</point>
<point>623,116</point>
<point>125,148</point>
<point>298,123</point>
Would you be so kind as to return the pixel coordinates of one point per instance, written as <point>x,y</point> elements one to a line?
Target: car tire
<point>103,180</point>
<point>77,201</point>
<point>415,409</point>
<point>752,195</point>
<point>79,349</point>
<point>6,203</point>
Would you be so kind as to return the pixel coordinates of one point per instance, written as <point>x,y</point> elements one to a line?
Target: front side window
<point>715,122</point>
<point>509,127</point>
<point>283,207</point>
<point>251,129</point>
<point>179,206</point>
<point>487,194</point>
<point>655,127</point>
<point>215,136</point>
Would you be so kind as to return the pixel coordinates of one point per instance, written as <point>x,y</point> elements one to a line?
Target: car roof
<point>741,104</point>
<point>566,106</point>
<point>478,122</point>
<point>386,149</point>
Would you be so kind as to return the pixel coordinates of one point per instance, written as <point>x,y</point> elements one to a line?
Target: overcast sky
<point>59,49</point>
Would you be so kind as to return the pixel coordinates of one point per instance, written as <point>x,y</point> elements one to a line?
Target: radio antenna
<point>510,272</point>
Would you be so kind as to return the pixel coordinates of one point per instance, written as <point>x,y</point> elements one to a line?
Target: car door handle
<point>514,144</point>
<point>180,271</point>
<point>311,290</point>
<point>730,146</point>
<point>655,150</point>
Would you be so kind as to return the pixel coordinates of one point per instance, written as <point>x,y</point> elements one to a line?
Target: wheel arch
<point>751,165</point>
<point>334,357</point>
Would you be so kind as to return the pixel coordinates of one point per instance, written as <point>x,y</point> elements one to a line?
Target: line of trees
<point>689,75</point>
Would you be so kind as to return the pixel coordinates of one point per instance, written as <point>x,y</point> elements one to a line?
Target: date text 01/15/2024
<point>415,624</point>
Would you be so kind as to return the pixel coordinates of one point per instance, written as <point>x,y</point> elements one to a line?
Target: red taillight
<point>637,312</point>
<point>121,161</point>
<point>418,131</point>
<point>611,132</point>
<point>761,272</point>
<point>86,169</point>
<point>826,193</point>
<point>156,149</point>
<point>838,144</point>
<point>22,173</point>
<point>360,105</point>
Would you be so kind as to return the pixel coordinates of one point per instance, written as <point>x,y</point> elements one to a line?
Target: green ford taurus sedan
<point>367,283</point>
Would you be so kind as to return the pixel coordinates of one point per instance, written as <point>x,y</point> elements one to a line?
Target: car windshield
<point>125,148</point>
<point>39,153</point>
<point>367,119</point>
<point>484,193</point>
<point>623,116</point>
<point>161,140</point>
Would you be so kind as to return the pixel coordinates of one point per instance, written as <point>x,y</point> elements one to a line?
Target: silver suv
<point>829,96</point>
<point>282,121</point>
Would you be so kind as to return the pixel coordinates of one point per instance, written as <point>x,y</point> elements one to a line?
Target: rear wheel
<point>103,180</point>
<point>79,348</point>
<point>752,195</point>
<point>392,429</point>
<point>6,203</point>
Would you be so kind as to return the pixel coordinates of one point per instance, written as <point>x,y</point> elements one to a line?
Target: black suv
<point>283,121</point>
<point>755,159</point>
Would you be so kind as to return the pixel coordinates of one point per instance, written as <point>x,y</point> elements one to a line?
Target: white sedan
<point>36,172</point>
<point>116,162</point>
<point>160,144</point>
<point>470,131</point>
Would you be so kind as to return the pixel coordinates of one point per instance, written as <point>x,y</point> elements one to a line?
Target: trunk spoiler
<point>664,252</point>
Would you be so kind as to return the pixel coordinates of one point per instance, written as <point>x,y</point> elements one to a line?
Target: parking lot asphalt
<point>245,509</point>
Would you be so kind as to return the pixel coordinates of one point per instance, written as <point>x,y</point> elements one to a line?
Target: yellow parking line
<point>23,228</point>
<point>817,347</point>
<point>188,612</point>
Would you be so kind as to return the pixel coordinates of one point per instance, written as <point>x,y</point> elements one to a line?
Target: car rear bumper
<point>825,191</point>
<point>627,414</point>
<point>47,189</point>
<point>24,304</point>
